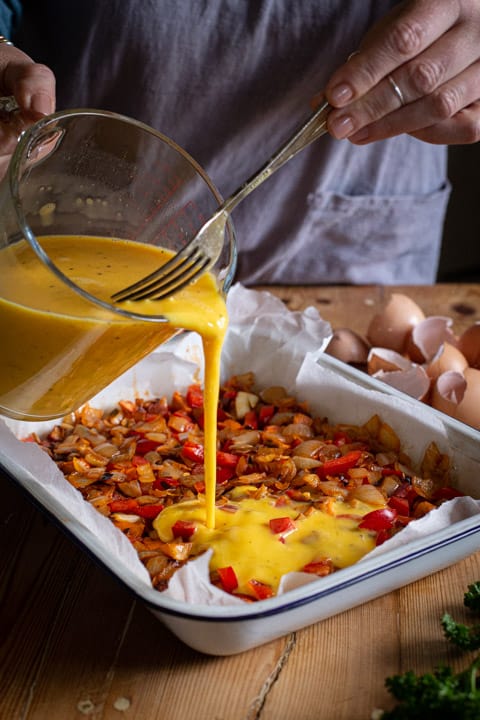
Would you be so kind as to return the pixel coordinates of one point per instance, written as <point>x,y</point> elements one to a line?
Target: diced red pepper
<point>447,493</point>
<point>129,506</point>
<point>144,446</point>
<point>392,471</point>
<point>251,420</point>
<point>228,578</point>
<point>340,465</point>
<point>183,529</point>
<point>381,519</point>
<point>149,512</point>
<point>194,396</point>
<point>406,491</point>
<point>199,486</point>
<point>224,474</point>
<point>193,451</point>
<point>282,525</point>
<point>151,417</point>
<point>124,506</point>
<point>341,438</point>
<point>160,483</point>
<point>382,536</point>
<point>319,567</point>
<point>225,459</point>
<point>265,413</point>
<point>400,504</point>
<point>229,395</point>
<point>138,460</point>
<point>261,590</point>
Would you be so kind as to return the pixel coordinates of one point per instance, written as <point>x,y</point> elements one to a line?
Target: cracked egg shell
<point>380,358</point>
<point>448,391</point>
<point>391,327</point>
<point>427,337</point>
<point>347,346</point>
<point>469,344</point>
<point>448,358</point>
<point>413,382</point>
<point>468,410</point>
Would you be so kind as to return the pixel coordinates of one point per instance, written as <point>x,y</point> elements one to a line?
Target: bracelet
<point>5,40</point>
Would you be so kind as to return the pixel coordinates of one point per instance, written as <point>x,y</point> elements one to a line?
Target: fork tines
<point>178,272</point>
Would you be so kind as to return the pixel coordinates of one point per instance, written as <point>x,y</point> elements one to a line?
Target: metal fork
<point>205,247</point>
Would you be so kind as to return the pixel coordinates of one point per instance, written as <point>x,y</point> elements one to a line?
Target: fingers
<point>439,117</point>
<point>463,128</point>
<point>401,36</point>
<point>32,84</point>
<point>33,87</point>
<point>415,70</point>
<point>434,77</point>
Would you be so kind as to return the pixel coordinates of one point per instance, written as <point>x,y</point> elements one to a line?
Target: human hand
<point>417,72</point>
<point>33,87</point>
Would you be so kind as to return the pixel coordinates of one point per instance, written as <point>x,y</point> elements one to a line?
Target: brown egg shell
<point>391,327</point>
<point>468,410</point>
<point>448,358</point>
<point>469,344</point>
<point>348,346</point>
<point>448,391</point>
<point>426,338</point>
<point>380,358</point>
<point>413,382</point>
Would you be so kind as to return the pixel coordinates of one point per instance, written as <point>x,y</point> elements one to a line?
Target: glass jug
<point>81,188</point>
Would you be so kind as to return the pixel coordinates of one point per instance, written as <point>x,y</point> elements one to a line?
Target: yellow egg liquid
<point>58,350</point>
<point>243,539</point>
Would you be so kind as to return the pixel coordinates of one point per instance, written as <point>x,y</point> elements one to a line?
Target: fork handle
<point>312,129</point>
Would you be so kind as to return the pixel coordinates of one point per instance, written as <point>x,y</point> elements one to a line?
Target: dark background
<point>460,258</point>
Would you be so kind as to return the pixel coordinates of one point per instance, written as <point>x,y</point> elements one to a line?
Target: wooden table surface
<point>75,645</point>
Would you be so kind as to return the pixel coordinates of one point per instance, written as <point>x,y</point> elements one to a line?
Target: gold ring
<point>5,40</point>
<point>396,90</point>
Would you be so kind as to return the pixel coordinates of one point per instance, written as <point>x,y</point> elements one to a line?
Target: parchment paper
<point>282,348</point>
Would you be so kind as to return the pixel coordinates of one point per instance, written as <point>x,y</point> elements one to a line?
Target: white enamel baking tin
<point>227,630</point>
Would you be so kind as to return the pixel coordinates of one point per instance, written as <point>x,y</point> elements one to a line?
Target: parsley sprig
<point>442,694</point>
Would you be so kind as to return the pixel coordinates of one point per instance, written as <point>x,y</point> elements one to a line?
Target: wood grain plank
<point>157,676</point>
<point>354,307</point>
<point>334,668</point>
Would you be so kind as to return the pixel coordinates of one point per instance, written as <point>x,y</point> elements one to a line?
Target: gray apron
<point>229,80</point>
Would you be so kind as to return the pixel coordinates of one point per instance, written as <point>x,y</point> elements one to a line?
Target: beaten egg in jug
<point>58,349</point>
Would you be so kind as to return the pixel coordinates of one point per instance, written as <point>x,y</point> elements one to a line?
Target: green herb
<point>442,694</point>
<point>471,599</point>
<point>466,637</point>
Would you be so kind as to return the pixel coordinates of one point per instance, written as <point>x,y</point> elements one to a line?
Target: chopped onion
<point>305,463</point>
<point>308,448</point>
<point>368,494</point>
